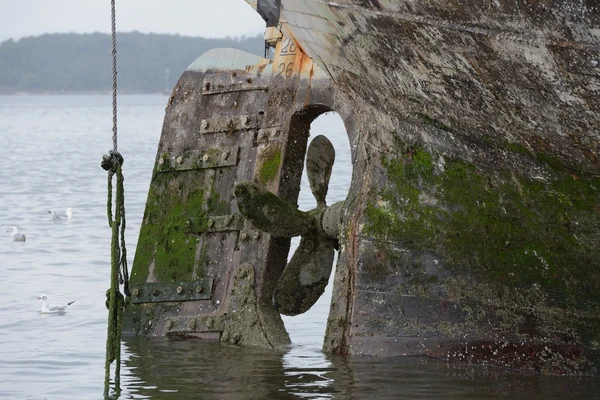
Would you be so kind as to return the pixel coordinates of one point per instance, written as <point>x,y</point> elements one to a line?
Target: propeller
<point>306,275</point>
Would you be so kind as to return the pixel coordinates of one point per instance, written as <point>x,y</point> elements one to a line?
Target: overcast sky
<point>209,18</point>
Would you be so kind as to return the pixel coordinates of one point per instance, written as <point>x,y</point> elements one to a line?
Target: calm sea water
<point>51,160</point>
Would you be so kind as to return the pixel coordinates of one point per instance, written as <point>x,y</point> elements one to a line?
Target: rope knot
<point>120,299</point>
<point>112,161</point>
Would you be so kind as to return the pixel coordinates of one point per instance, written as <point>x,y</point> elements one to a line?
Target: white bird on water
<point>16,236</point>
<point>46,309</point>
<point>62,216</point>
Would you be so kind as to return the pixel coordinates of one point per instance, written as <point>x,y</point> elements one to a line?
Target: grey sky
<point>209,18</point>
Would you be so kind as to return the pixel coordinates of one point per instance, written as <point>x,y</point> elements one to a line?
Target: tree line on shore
<point>71,63</point>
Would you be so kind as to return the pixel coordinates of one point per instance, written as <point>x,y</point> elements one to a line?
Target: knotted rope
<point>115,302</point>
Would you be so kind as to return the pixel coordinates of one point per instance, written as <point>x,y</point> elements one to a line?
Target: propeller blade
<point>305,277</point>
<point>271,214</point>
<point>319,162</point>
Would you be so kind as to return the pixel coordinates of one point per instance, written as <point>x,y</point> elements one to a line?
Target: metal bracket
<point>266,135</point>
<point>221,124</point>
<point>272,36</point>
<point>199,159</point>
<point>227,82</point>
<point>156,292</point>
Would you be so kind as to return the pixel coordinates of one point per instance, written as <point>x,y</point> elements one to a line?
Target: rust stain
<point>306,64</point>
<point>256,68</point>
<point>352,266</point>
<point>310,76</point>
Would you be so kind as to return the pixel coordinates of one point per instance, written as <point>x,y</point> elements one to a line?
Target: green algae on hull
<point>162,240</point>
<point>270,165</point>
<point>499,230</point>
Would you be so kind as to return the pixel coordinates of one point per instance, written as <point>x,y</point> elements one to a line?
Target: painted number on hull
<point>289,48</point>
<point>285,68</point>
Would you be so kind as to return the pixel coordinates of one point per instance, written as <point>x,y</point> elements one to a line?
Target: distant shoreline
<point>80,64</point>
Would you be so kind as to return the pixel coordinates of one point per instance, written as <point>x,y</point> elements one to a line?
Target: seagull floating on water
<point>46,309</point>
<point>62,216</point>
<point>16,236</point>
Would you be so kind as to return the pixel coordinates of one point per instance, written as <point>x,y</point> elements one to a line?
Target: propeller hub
<point>331,220</point>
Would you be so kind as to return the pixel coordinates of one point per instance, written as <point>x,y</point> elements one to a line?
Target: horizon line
<point>17,39</point>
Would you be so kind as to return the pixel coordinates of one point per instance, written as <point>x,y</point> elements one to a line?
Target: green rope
<point>118,273</point>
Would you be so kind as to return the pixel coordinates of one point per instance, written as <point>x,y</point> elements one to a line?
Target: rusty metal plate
<point>199,159</point>
<point>232,124</point>
<point>156,292</point>
<point>226,82</point>
<point>218,223</point>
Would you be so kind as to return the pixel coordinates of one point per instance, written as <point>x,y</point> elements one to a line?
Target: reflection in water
<point>425,378</point>
<point>308,373</point>
<point>159,368</point>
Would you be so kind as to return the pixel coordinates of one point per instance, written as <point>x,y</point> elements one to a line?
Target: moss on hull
<point>270,165</point>
<point>163,245</point>
<point>522,245</point>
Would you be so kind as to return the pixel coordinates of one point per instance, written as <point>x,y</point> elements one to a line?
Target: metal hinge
<point>156,292</point>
